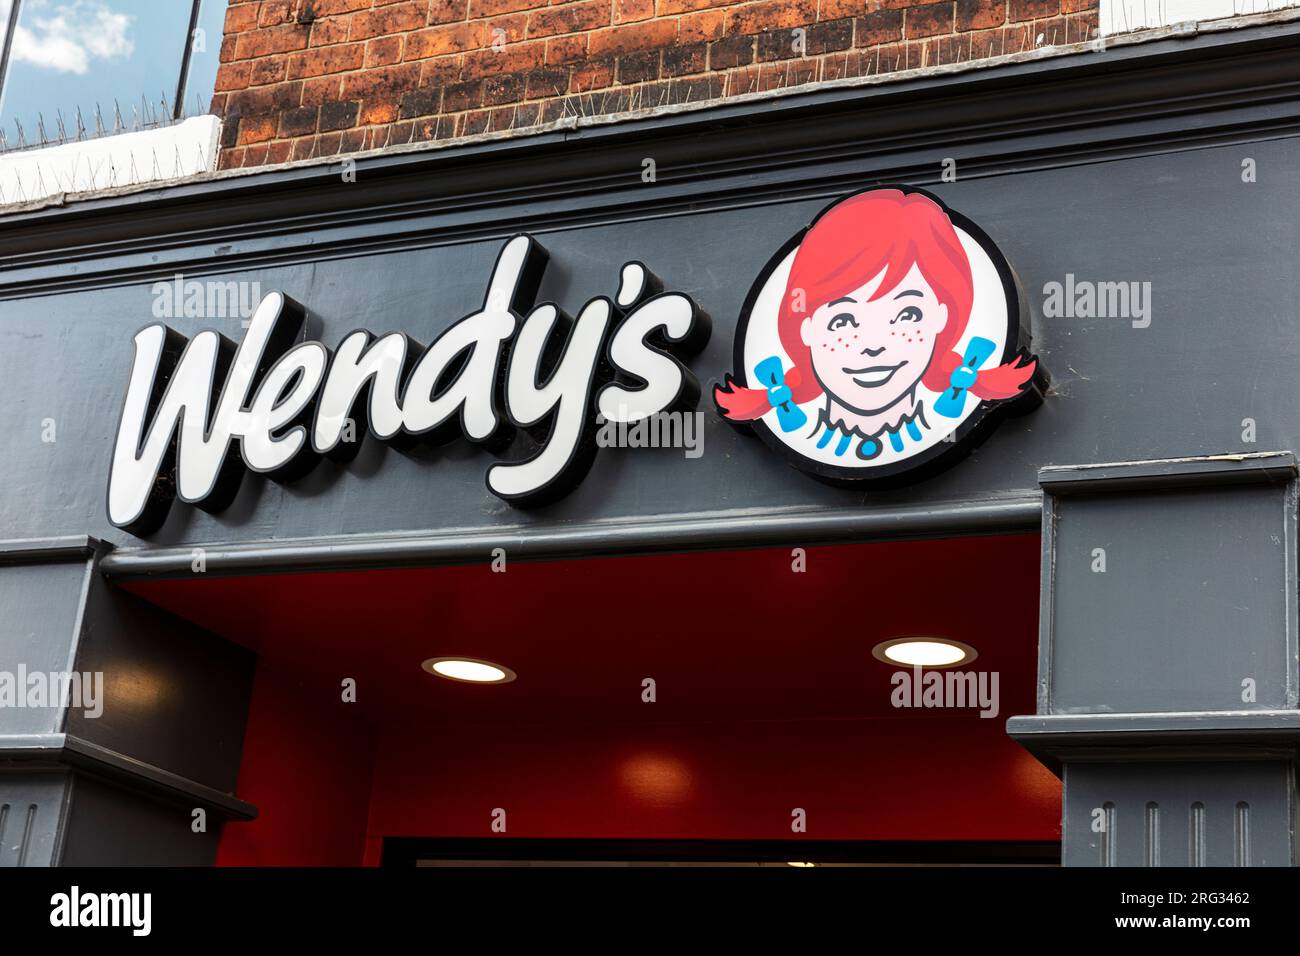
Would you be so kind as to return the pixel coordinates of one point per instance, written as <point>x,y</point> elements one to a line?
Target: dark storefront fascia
<point>1112,166</point>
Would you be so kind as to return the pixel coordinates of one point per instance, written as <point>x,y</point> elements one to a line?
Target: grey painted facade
<point>1116,166</point>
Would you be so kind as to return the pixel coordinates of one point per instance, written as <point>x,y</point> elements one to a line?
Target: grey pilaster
<point>1168,676</point>
<point>119,782</point>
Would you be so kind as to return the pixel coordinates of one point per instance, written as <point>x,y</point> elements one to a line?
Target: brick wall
<point>307,78</point>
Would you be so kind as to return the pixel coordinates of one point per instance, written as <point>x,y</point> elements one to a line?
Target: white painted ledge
<point>1126,16</point>
<point>124,159</point>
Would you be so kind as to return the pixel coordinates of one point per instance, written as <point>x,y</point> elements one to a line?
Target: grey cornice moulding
<point>21,751</point>
<point>1267,467</point>
<point>1004,515</point>
<point>1240,84</point>
<point>1119,738</point>
<point>51,550</point>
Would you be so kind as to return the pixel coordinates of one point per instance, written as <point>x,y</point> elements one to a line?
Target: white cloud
<point>73,35</point>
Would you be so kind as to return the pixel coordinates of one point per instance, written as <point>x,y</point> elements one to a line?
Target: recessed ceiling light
<point>924,652</point>
<point>468,670</point>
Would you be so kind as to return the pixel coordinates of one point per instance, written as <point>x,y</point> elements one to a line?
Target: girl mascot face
<point>878,298</point>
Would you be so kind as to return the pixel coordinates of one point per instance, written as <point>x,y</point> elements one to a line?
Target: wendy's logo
<point>881,340</point>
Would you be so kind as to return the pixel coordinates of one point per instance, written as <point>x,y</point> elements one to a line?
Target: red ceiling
<point>767,698</point>
<point>725,635</point>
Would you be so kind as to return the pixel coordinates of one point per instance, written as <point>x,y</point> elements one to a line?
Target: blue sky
<point>73,53</point>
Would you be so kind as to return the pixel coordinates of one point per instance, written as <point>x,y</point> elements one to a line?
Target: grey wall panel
<point>1180,814</point>
<point>108,826</point>
<point>175,696</point>
<point>32,811</point>
<point>40,608</point>
<point>1181,386</point>
<point>1193,601</point>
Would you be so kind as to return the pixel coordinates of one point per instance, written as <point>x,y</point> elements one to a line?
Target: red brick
<point>481,9</point>
<point>312,9</point>
<point>256,155</point>
<point>385,21</point>
<point>592,75</point>
<point>771,15</point>
<point>569,18</point>
<point>261,42</point>
<point>929,20</point>
<point>448,11</point>
<point>569,49</point>
<point>705,25</point>
<point>230,158</point>
<point>256,129</point>
<point>513,58</point>
<point>634,36</point>
<point>327,59</point>
<point>298,122</point>
<point>388,82</point>
<point>275,12</point>
<point>240,18</point>
<point>329,30</point>
<point>269,69</point>
<point>381,111</point>
<point>1033,9</point>
<point>265,99</point>
<point>440,41</point>
<point>731,51</point>
<point>338,116</point>
<point>279,152</point>
<point>383,51</point>
<point>982,14</point>
<point>321,90</point>
<point>883,26</point>
<point>445,69</point>
<point>983,44</point>
<point>632,11</point>
<point>1077,6</point>
<point>547,82</point>
<point>682,59</point>
<point>233,76</point>
<point>667,8</point>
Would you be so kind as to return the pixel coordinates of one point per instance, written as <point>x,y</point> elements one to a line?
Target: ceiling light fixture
<point>924,652</point>
<point>468,670</point>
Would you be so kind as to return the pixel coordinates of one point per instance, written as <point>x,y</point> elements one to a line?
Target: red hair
<point>881,230</point>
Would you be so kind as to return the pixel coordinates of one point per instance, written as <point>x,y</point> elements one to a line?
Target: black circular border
<point>972,431</point>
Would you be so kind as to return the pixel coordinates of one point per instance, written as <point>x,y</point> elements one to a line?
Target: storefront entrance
<point>720,706</point>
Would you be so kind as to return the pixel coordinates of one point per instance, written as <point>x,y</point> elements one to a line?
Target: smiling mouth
<point>874,376</point>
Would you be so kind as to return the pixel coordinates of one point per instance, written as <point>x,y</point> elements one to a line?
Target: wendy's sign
<point>879,341</point>
<point>198,413</point>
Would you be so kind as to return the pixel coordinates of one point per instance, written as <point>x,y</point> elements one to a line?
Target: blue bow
<point>772,376</point>
<point>953,399</point>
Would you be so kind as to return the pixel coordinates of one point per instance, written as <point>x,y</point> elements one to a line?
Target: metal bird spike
<point>22,136</point>
<point>99,120</point>
<point>40,127</point>
<point>81,126</point>
<point>117,117</point>
<point>63,133</point>
<point>166,107</point>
